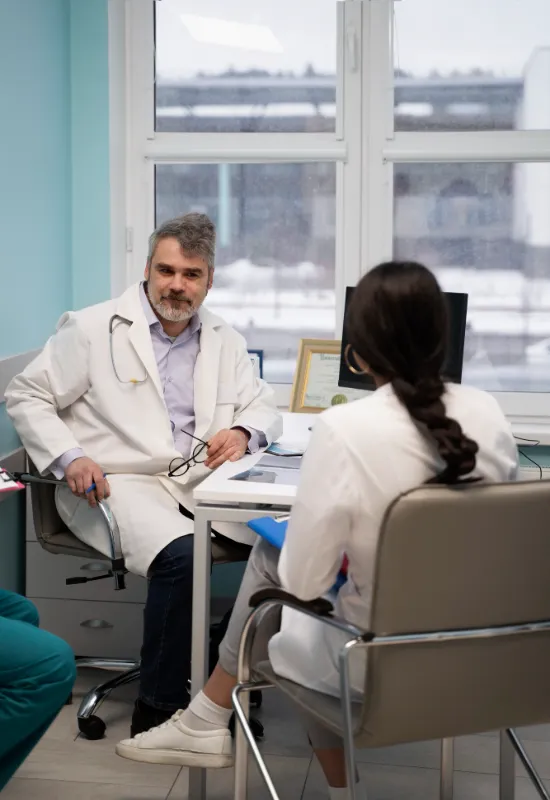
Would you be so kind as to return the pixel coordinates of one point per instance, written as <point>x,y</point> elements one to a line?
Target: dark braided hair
<point>397,322</point>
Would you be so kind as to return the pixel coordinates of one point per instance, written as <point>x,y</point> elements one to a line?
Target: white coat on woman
<point>361,457</point>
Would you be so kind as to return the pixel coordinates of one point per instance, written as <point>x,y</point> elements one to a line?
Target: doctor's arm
<point>321,519</point>
<point>49,384</point>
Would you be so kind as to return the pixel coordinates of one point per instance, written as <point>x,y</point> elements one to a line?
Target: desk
<point>219,499</point>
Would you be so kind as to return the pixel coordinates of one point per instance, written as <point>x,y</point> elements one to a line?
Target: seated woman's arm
<point>320,523</point>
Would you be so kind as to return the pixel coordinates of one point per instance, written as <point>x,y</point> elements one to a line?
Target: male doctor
<point>143,396</point>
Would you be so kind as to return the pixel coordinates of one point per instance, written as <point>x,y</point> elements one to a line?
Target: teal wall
<point>35,171</point>
<point>89,75</point>
<point>54,190</point>
<point>35,202</point>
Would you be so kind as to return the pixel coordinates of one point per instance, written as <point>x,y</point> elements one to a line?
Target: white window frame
<point>364,148</point>
<point>528,412</point>
<point>146,148</point>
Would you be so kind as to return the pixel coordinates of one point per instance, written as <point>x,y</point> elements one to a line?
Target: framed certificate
<point>315,384</point>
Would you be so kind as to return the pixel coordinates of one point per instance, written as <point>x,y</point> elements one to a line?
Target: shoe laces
<point>174,718</point>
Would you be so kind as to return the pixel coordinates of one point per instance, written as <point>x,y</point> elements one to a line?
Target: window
<point>484,230</point>
<point>238,111</point>
<point>274,278</point>
<point>471,65</point>
<point>250,65</point>
<point>324,137</point>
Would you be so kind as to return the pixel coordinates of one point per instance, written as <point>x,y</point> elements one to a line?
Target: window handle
<point>351,44</point>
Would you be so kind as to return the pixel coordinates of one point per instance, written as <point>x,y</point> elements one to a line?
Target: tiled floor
<point>67,767</point>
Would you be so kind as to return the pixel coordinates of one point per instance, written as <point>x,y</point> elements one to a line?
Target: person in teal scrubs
<point>37,673</point>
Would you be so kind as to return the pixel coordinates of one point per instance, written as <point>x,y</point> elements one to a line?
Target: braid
<point>423,400</point>
<point>398,324</point>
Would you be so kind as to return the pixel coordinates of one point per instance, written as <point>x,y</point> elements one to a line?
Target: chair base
<point>89,724</point>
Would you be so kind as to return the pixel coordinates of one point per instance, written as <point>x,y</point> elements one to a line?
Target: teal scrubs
<point>37,673</point>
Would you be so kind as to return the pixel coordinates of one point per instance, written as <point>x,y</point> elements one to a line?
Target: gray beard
<point>173,314</point>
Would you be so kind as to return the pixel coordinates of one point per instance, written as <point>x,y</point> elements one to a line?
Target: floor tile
<point>289,776</point>
<point>538,733</point>
<point>26,789</point>
<point>284,733</point>
<point>64,727</point>
<point>81,761</point>
<point>417,754</point>
<point>539,752</point>
<point>471,786</point>
<point>477,754</point>
<point>381,783</point>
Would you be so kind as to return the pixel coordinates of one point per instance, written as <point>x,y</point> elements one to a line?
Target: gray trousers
<point>262,573</point>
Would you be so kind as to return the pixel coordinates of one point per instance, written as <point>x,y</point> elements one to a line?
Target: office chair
<point>54,536</point>
<point>458,640</point>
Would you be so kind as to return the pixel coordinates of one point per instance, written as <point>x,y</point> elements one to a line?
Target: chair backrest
<point>469,559</point>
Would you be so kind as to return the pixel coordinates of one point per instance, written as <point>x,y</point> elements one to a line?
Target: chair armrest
<point>320,606</point>
<point>27,477</point>
<point>117,560</point>
<point>320,609</point>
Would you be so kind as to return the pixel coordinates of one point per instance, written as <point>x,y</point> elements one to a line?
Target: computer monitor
<point>458,306</point>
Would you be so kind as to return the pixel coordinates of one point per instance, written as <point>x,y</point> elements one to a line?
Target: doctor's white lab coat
<point>69,396</point>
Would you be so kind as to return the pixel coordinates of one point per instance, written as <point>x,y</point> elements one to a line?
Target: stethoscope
<point>112,327</point>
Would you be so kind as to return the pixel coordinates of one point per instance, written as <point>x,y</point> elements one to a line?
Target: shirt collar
<point>153,321</point>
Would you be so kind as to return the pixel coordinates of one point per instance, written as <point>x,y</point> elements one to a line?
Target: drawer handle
<point>94,566</point>
<point>96,624</point>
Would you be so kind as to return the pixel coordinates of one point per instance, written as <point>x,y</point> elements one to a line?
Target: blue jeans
<point>37,672</point>
<point>166,651</point>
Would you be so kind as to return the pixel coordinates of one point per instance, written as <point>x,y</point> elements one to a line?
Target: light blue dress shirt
<point>176,358</point>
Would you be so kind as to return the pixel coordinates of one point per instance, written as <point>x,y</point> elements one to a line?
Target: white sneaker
<point>175,743</point>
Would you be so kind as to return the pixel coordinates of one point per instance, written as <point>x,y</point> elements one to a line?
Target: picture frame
<point>257,358</point>
<point>315,387</point>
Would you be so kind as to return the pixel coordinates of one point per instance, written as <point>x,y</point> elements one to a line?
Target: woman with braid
<point>413,429</point>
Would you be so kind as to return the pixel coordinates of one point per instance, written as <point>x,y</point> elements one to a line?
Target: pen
<point>93,486</point>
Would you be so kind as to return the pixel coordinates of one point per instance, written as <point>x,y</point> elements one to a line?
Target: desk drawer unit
<point>107,630</point>
<point>46,575</point>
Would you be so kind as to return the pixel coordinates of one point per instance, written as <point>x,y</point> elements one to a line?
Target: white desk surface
<point>218,489</point>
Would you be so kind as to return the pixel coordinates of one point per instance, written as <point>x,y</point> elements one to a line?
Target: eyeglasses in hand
<point>180,466</point>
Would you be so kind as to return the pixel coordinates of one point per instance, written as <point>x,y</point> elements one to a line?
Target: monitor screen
<point>458,306</point>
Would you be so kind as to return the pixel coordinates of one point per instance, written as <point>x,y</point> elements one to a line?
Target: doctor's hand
<point>80,475</point>
<point>226,445</point>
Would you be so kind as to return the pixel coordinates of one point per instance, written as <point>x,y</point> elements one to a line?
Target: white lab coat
<point>361,457</point>
<point>70,397</point>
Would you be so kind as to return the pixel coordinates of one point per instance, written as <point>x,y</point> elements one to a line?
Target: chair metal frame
<point>244,738</point>
<point>128,669</point>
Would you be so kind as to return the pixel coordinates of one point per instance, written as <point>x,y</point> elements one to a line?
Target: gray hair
<point>196,234</point>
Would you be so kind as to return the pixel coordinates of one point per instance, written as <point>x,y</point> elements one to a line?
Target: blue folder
<point>270,529</point>
<point>274,532</point>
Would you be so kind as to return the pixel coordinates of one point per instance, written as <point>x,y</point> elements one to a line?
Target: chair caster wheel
<point>255,726</point>
<point>69,700</point>
<point>256,699</point>
<point>92,727</point>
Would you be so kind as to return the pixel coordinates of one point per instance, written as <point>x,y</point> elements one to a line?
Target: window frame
<point>364,147</point>
<point>148,147</point>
